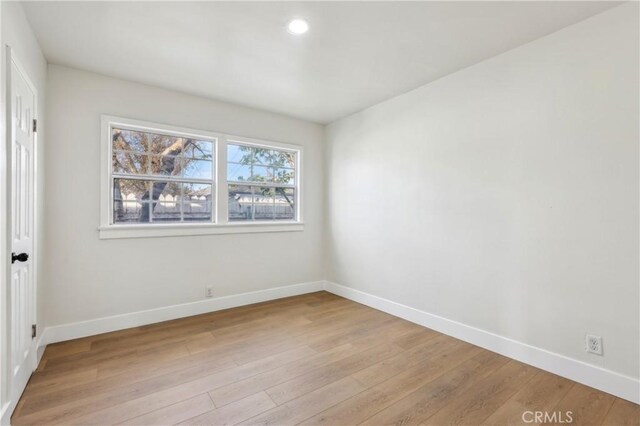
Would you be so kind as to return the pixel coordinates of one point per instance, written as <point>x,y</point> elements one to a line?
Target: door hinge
<point>33,331</point>
<point>35,125</point>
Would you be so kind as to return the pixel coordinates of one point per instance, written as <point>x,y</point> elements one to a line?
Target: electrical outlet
<point>208,291</point>
<point>594,344</point>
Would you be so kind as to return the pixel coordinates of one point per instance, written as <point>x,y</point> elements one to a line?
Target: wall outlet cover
<point>594,344</point>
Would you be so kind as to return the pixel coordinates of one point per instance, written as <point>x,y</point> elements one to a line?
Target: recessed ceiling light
<point>298,26</point>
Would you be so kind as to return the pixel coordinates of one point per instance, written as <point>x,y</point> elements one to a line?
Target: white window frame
<point>219,221</point>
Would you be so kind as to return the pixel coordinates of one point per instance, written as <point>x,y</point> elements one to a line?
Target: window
<point>162,180</point>
<point>261,183</point>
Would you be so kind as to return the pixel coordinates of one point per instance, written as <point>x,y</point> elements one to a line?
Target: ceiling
<point>356,54</point>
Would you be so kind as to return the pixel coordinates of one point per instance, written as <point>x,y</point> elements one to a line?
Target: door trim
<point>7,404</point>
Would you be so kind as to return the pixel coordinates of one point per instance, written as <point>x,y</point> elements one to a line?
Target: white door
<point>21,291</point>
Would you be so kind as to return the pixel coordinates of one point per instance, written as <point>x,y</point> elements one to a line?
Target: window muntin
<point>161,178</point>
<point>262,183</point>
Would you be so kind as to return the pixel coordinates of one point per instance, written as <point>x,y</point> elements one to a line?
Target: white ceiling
<point>355,55</point>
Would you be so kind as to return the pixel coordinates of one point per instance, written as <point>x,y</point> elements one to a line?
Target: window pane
<point>255,164</point>
<point>130,199</point>
<point>129,140</point>
<point>285,204</point>
<point>240,203</point>
<point>274,157</point>
<point>166,205</point>
<point>286,176</point>
<point>167,145</point>
<point>262,174</point>
<point>165,165</point>
<point>196,202</point>
<point>131,163</point>
<point>261,203</point>
<point>197,169</point>
<point>239,154</point>
<point>238,172</point>
<point>264,156</point>
<point>284,159</point>
<point>199,149</point>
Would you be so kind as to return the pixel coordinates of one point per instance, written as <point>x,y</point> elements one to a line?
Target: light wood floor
<point>311,359</point>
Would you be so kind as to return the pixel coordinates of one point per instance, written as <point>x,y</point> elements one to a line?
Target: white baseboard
<point>596,377</point>
<point>5,414</point>
<point>60,333</point>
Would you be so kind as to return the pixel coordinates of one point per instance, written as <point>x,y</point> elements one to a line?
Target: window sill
<point>174,230</point>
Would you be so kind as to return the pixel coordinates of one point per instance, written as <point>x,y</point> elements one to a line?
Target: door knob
<point>22,257</point>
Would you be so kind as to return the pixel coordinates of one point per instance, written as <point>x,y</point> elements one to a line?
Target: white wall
<point>88,278</point>
<point>504,196</point>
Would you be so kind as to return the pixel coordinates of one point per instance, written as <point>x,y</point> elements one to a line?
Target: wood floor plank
<point>136,361</point>
<point>338,307</point>
<point>330,373</point>
<point>58,383</point>
<point>200,342</point>
<point>90,358</point>
<point>542,393</point>
<point>140,340</point>
<point>140,407</point>
<point>416,337</point>
<point>294,411</point>
<point>175,413</point>
<point>367,403</point>
<point>153,368</point>
<point>475,405</point>
<point>423,403</point>
<point>304,335</point>
<point>236,412</point>
<point>587,405</point>
<point>357,330</point>
<point>623,413</point>
<point>41,376</point>
<point>390,367</point>
<point>314,358</point>
<point>67,348</point>
<point>243,388</point>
